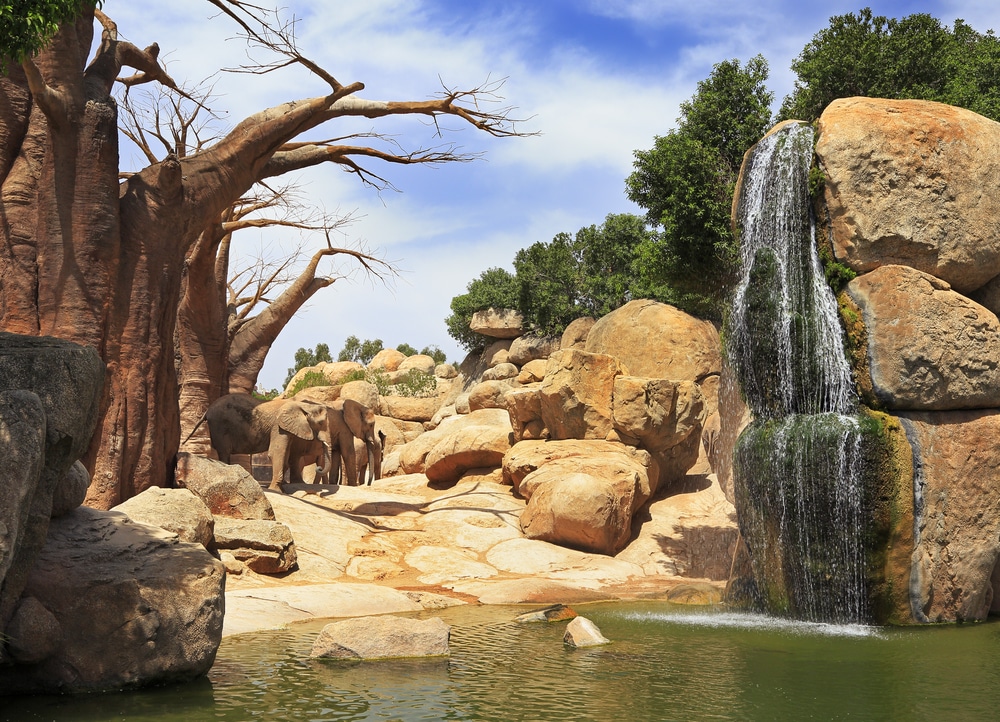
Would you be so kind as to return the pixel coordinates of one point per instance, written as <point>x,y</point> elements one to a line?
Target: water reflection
<point>665,663</point>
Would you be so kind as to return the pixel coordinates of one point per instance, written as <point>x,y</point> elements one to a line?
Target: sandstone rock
<point>657,341</point>
<point>489,395</point>
<point>532,348</point>
<point>554,613</point>
<point>496,353</point>
<point>443,413</point>
<point>413,456</point>
<point>471,447</point>
<point>71,491</point>
<point>576,394</point>
<point>575,335</point>
<point>388,359</point>
<point>582,632</point>
<point>929,348</point>
<point>334,372</point>
<point>264,546</point>
<point>226,489</point>
<point>532,372</point>
<point>384,637</point>
<point>34,633</point>
<point>135,606</point>
<point>363,392</point>
<point>462,406</point>
<point>411,408</point>
<point>695,594</point>
<point>445,371</point>
<point>585,494</point>
<point>442,565</point>
<point>421,362</point>
<point>525,409</point>
<point>180,511</point>
<point>907,183</point>
<point>497,323</point>
<point>501,372</point>
<point>655,413</point>
<point>957,542</point>
<point>64,382</point>
<point>734,416</point>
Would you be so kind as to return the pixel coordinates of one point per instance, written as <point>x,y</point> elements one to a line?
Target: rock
<point>227,490</point>
<point>575,335</point>
<point>488,395</point>
<point>501,372</point>
<point>414,455</point>
<point>532,348</point>
<point>335,372</point>
<point>497,323</point>
<point>71,492</point>
<point>410,408</point>
<point>734,416</point>
<point>585,494</point>
<point>525,409</point>
<point>34,633</point>
<point>388,359</point>
<point>421,362</point>
<point>471,447</point>
<point>657,341</point>
<point>576,394</point>
<point>180,511</point>
<point>957,542</point>
<point>656,414</point>
<point>496,353</point>
<point>383,637</point>
<point>906,183</point>
<point>554,613</point>
<point>440,565</point>
<point>53,390</point>
<point>363,392</point>
<point>695,594</point>
<point>264,546</point>
<point>445,371</point>
<point>929,348</point>
<point>462,406</point>
<point>135,605</point>
<point>443,413</point>
<point>581,632</point>
<point>532,372</point>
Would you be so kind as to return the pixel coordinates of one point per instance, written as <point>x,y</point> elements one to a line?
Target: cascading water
<point>798,467</point>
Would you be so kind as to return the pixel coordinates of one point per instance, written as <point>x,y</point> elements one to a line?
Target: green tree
<point>360,351</point>
<point>305,357</point>
<point>495,288</point>
<point>435,353</point>
<point>912,57</point>
<point>549,285</point>
<point>26,26</point>
<point>685,183</point>
<point>406,349</point>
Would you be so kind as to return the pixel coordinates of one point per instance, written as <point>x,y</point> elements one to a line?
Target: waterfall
<point>798,466</point>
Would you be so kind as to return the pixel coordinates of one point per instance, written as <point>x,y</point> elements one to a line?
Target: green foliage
<point>265,394</point>
<point>305,358</point>
<point>495,288</point>
<point>837,274</point>
<point>549,285</point>
<point>912,57</point>
<point>415,383</point>
<point>308,380</point>
<point>26,26</point>
<point>686,183</point>
<point>360,351</point>
<point>406,349</point>
<point>435,353</point>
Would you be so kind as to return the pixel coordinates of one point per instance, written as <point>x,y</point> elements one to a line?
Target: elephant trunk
<point>375,450</point>
<point>327,459</point>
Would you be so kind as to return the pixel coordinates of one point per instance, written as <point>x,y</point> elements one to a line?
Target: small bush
<point>416,383</point>
<point>308,380</point>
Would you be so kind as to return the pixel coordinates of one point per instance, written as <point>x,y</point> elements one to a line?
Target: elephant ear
<point>293,419</point>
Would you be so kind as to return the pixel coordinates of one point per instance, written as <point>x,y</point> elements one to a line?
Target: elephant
<point>350,421</point>
<point>242,424</point>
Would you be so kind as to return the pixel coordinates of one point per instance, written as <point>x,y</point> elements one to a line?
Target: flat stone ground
<point>402,545</point>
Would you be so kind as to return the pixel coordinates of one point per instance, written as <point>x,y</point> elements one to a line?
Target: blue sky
<point>597,78</point>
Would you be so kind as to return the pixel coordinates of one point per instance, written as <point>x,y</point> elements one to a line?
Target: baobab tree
<point>100,260</point>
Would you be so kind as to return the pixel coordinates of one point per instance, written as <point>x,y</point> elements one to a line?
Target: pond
<point>665,663</point>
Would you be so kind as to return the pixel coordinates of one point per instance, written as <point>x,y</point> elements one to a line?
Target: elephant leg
<point>279,460</point>
<point>350,460</point>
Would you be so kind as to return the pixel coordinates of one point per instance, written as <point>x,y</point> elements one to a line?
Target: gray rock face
<point>384,637</point>
<point>228,490</point>
<point>134,606</point>
<point>66,381</point>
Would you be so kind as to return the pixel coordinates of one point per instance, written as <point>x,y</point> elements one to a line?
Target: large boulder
<point>576,394</point>
<point>929,348</point>
<point>460,443</point>
<point>497,323</point>
<point>116,605</point>
<point>957,531</point>
<point>657,341</point>
<point>388,359</point>
<point>179,511</point>
<point>532,348</point>
<point>383,637</point>
<point>909,182</point>
<point>656,414</point>
<point>228,490</point>
<point>64,382</point>
<point>264,546</point>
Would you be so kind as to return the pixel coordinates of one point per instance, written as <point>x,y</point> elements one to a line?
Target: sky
<point>594,81</point>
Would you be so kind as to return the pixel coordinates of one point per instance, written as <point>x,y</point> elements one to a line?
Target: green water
<point>665,663</point>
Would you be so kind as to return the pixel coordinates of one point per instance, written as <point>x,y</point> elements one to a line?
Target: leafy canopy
<point>495,288</point>
<point>686,182</point>
<point>305,357</point>
<point>913,57</point>
<point>27,25</point>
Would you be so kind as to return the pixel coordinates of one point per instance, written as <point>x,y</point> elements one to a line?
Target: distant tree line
<point>355,350</point>
<point>683,251</point>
